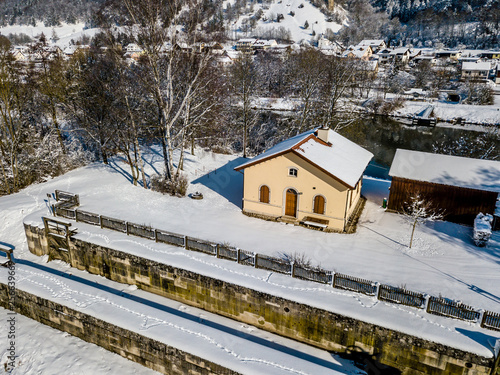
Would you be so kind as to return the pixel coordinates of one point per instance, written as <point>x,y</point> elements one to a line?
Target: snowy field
<point>304,11</point>
<point>443,261</point>
<point>65,33</point>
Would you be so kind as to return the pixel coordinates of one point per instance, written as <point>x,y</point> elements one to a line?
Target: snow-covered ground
<point>240,347</point>
<point>43,350</point>
<point>479,114</point>
<point>304,11</point>
<point>443,260</point>
<point>65,33</point>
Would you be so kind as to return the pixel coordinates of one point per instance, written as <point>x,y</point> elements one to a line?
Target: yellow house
<point>312,179</point>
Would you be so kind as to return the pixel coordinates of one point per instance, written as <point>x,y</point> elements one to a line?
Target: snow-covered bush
<point>477,93</point>
<point>176,186</point>
<point>482,229</point>
<point>299,259</point>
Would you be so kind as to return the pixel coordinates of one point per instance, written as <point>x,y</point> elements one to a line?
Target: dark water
<point>382,136</point>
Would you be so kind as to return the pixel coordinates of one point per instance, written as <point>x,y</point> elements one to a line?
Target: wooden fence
<point>273,264</point>
<point>227,252</point>
<point>401,296</point>
<point>451,309</point>
<point>141,231</point>
<point>114,224</point>
<point>491,320</point>
<point>170,238</point>
<point>246,257</point>
<point>201,245</point>
<point>433,305</point>
<point>354,284</point>
<point>317,275</point>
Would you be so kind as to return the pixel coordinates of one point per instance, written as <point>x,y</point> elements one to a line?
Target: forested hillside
<point>50,12</point>
<point>473,23</point>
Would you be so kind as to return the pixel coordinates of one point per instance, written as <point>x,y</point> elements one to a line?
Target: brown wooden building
<point>460,187</point>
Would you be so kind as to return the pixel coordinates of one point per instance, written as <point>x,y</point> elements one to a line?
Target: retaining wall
<point>321,328</point>
<point>131,345</point>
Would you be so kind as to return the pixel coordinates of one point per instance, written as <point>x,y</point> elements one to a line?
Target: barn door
<point>291,203</point>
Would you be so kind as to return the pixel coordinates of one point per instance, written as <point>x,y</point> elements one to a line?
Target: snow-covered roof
<point>400,51</point>
<point>447,170</point>
<point>247,40</point>
<point>340,158</point>
<point>371,42</point>
<point>476,66</point>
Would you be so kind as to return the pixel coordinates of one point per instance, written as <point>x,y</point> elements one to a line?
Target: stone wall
<point>321,328</point>
<point>131,345</point>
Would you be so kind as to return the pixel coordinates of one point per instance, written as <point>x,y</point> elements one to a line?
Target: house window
<point>292,172</point>
<point>319,204</point>
<point>264,194</point>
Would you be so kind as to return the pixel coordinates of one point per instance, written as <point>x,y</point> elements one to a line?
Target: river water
<point>382,136</point>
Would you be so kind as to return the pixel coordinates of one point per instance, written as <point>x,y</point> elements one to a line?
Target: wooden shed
<point>460,187</point>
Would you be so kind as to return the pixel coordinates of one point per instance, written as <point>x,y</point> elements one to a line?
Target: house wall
<point>324,329</point>
<point>310,181</point>
<point>458,204</point>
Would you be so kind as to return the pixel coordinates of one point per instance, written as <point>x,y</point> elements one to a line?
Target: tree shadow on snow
<point>113,164</point>
<point>459,235</point>
<point>225,181</point>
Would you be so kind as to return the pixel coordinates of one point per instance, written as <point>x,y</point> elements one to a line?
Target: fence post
<point>428,308</point>
<point>292,268</point>
<point>482,317</point>
<point>126,227</point>
<point>255,260</point>
<point>377,289</point>
<point>217,249</point>
<point>100,221</point>
<point>334,279</point>
<point>238,255</point>
<point>186,242</point>
<point>427,298</point>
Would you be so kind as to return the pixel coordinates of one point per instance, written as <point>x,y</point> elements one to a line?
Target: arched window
<point>319,204</point>
<point>264,194</point>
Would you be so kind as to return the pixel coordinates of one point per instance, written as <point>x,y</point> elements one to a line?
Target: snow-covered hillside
<point>295,14</point>
<point>63,34</point>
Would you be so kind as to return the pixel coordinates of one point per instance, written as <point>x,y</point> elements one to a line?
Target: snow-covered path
<point>237,346</point>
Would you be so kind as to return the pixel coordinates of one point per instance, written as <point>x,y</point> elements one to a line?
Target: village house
<point>245,45</point>
<point>449,54</point>
<point>363,53</point>
<point>313,179</point>
<point>478,71</point>
<point>375,44</point>
<point>458,187</point>
<point>492,55</point>
<point>400,55</point>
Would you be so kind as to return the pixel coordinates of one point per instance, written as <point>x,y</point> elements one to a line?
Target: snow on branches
<point>418,211</point>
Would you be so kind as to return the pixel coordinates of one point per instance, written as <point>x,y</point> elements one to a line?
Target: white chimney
<point>322,134</point>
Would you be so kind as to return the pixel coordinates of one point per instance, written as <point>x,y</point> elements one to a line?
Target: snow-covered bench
<point>315,222</point>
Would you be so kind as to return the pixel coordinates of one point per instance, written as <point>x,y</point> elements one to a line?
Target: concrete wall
<point>138,348</point>
<point>324,329</point>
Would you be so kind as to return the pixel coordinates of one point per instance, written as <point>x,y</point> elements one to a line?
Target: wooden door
<point>291,203</point>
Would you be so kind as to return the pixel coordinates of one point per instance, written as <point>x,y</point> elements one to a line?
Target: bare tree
<point>154,30</point>
<point>419,211</point>
<point>244,82</point>
<point>307,71</point>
